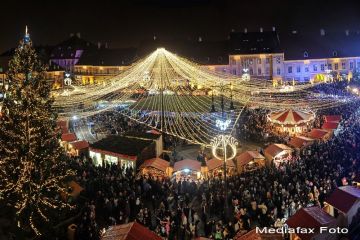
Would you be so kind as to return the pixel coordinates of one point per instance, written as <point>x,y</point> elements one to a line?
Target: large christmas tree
<point>32,163</point>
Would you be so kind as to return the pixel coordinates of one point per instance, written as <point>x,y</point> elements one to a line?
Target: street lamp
<point>223,142</point>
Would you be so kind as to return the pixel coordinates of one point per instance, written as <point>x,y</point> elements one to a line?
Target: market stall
<point>216,167</point>
<point>278,153</point>
<point>155,167</point>
<point>250,161</point>
<point>187,169</point>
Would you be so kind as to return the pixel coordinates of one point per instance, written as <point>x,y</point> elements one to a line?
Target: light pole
<point>223,142</point>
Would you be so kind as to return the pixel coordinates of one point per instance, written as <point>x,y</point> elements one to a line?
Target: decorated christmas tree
<point>33,171</point>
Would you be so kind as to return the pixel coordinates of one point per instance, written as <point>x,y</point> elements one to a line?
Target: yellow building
<point>97,65</point>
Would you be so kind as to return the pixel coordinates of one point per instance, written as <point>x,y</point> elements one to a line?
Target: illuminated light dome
<point>291,121</point>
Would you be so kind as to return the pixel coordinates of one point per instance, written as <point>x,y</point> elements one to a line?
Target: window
<point>278,60</point>
<point>329,66</point>
<point>335,53</point>
<point>267,60</point>
<point>306,54</point>
<point>306,69</point>
<point>259,61</point>
<point>315,67</point>
<point>343,65</point>
<point>234,71</point>
<point>251,71</point>
<point>336,66</point>
<point>259,71</point>
<point>358,64</point>
<point>306,78</point>
<point>322,67</point>
<point>278,71</point>
<point>351,65</point>
<point>298,69</point>
<point>290,69</point>
<point>267,70</point>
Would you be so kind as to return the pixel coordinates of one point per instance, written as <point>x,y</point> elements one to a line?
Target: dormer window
<point>306,54</point>
<point>334,53</point>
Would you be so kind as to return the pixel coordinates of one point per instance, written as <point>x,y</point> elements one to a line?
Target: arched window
<point>335,53</point>
<point>306,54</point>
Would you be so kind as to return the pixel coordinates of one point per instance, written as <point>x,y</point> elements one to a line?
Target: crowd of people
<point>185,209</point>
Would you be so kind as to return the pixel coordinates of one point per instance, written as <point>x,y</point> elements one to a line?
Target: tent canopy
<point>343,198</point>
<point>291,117</point>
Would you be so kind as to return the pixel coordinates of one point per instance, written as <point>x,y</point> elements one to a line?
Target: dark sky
<point>125,23</point>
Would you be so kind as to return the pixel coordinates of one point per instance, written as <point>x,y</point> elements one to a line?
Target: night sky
<point>125,23</point>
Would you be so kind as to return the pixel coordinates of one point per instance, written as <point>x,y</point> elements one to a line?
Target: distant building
<point>98,64</point>
<point>68,53</point>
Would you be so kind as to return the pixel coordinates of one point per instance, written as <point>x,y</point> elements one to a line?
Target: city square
<point>157,132</point>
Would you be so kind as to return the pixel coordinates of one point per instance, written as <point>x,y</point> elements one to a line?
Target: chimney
<point>245,30</point>
<point>78,35</point>
<point>99,45</point>
<point>200,39</point>
<point>322,32</point>
<point>347,32</point>
<point>274,29</point>
<point>71,34</point>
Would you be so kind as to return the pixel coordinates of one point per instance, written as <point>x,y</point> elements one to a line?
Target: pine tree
<point>32,162</point>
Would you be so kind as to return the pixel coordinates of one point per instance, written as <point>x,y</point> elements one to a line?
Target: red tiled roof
<point>317,133</point>
<point>311,217</point>
<point>157,163</point>
<point>81,144</point>
<point>253,235</point>
<point>248,156</point>
<point>300,141</point>
<point>275,149</point>
<point>130,231</point>
<point>343,198</point>
<point>332,118</point>
<point>215,163</point>
<point>330,125</point>
<point>187,164</point>
<point>68,137</point>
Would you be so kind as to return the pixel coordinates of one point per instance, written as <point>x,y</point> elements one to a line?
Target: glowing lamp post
<point>223,142</point>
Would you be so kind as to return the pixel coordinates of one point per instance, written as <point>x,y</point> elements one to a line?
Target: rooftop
<point>121,145</point>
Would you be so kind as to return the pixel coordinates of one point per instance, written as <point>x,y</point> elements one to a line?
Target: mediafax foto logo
<point>302,230</point>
